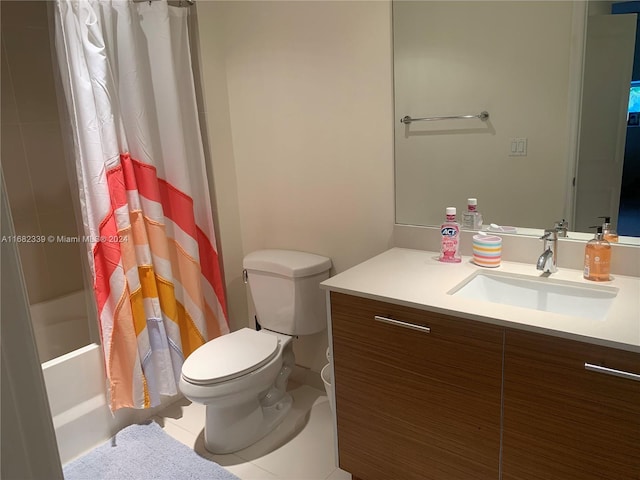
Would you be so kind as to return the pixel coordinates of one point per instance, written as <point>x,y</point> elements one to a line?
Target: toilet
<point>242,377</point>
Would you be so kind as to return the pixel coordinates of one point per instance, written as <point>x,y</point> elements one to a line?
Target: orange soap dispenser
<point>597,258</point>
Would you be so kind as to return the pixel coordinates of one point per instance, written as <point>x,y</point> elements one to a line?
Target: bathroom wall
<point>32,153</point>
<point>27,441</point>
<point>215,116</point>
<point>299,108</point>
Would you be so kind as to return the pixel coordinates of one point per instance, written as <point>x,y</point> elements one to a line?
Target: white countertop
<point>415,278</point>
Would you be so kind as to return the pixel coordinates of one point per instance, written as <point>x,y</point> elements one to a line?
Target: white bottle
<point>472,219</point>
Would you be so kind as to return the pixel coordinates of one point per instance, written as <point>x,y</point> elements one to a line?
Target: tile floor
<point>301,448</point>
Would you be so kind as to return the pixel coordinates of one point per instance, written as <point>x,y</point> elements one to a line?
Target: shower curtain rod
<point>173,3</point>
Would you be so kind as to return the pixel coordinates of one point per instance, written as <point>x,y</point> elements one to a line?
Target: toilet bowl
<point>242,377</point>
<point>245,393</point>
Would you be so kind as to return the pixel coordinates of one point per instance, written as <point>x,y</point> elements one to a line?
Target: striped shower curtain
<point>128,82</point>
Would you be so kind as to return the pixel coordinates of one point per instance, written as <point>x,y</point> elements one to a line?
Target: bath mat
<point>144,452</point>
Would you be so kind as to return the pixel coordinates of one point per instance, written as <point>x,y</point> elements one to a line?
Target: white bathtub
<point>76,392</point>
<point>76,383</point>
<point>60,325</point>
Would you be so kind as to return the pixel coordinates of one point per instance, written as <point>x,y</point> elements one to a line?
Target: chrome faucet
<point>548,261</point>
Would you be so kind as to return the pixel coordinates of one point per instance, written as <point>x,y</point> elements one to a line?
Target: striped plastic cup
<point>487,250</point>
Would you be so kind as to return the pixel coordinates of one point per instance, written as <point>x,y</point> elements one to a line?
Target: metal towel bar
<point>484,115</point>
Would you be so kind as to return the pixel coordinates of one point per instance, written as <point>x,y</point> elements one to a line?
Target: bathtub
<point>60,325</point>
<point>75,381</point>
<point>73,374</point>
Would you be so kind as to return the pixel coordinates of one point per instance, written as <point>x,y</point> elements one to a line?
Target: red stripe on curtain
<point>211,269</point>
<point>141,177</point>
<point>106,255</point>
<point>177,206</point>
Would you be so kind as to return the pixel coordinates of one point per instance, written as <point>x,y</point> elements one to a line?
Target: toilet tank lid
<point>290,263</point>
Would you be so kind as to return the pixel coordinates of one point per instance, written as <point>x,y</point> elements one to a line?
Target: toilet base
<point>230,429</point>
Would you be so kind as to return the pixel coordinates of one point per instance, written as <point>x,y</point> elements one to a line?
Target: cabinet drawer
<point>565,421</point>
<point>414,403</point>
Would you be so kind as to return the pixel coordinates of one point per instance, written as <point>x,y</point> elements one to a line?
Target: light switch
<point>518,147</point>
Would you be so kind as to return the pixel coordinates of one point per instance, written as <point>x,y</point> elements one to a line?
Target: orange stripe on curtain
<point>189,274</point>
<point>178,207</point>
<point>106,254</point>
<point>124,353</point>
<point>137,309</point>
<point>189,334</point>
<point>213,326</point>
<point>154,286</point>
<point>106,258</point>
<point>187,269</point>
<point>191,338</point>
<point>147,239</point>
<point>211,269</point>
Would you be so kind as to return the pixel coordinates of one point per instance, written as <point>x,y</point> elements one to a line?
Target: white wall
<point>28,445</point>
<point>299,107</point>
<point>211,44</point>
<point>33,156</point>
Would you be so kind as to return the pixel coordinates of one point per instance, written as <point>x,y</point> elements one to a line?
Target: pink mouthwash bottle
<point>450,243</point>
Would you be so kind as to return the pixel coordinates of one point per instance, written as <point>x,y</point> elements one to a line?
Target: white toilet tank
<point>285,286</point>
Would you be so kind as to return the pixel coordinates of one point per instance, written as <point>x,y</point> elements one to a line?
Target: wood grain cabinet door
<point>564,416</point>
<point>418,394</point>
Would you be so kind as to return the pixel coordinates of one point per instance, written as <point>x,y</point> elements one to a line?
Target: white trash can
<point>328,385</point>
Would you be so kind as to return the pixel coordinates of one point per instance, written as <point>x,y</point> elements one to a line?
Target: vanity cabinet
<point>563,420</point>
<point>418,394</point>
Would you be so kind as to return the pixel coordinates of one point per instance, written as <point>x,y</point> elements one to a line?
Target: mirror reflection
<point>555,146</point>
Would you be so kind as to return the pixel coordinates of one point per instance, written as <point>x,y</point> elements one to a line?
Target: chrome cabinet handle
<point>398,323</point>
<point>611,371</point>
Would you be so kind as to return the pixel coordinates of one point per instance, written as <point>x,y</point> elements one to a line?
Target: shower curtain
<point>128,83</point>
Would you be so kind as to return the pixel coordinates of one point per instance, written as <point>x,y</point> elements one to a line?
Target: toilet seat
<point>229,356</point>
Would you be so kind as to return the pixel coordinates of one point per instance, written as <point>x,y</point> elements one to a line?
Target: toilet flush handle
<point>245,276</point>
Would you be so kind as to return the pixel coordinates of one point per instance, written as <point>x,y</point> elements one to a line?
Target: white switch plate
<point>518,147</point>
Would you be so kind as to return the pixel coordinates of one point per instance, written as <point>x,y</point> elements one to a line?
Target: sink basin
<point>545,294</point>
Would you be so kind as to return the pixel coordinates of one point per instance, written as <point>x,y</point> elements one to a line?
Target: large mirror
<point>555,80</point>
